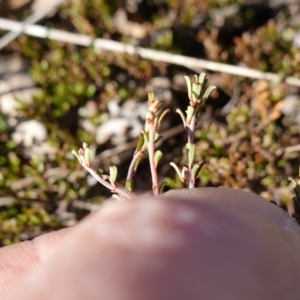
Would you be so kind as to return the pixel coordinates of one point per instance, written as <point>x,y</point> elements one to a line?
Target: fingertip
<point>19,260</point>
<point>238,201</point>
<point>171,248</point>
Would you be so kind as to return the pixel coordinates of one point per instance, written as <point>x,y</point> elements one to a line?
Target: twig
<point>6,200</point>
<point>293,148</point>
<point>108,45</point>
<point>80,204</point>
<point>151,128</point>
<point>34,18</point>
<point>85,156</point>
<point>120,190</point>
<point>135,161</point>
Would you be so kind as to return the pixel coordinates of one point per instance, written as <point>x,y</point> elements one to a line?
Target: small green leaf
<point>185,174</point>
<point>202,79</point>
<point>137,162</point>
<point>77,156</point>
<point>81,156</point>
<point>189,114</point>
<point>161,187</point>
<point>151,96</point>
<point>189,86</point>
<point>208,92</point>
<point>157,157</point>
<point>113,173</point>
<point>163,114</point>
<point>176,169</point>
<point>129,184</point>
<point>88,156</point>
<point>157,137</point>
<point>196,170</point>
<point>146,135</point>
<point>196,90</point>
<point>181,115</point>
<point>100,171</point>
<point>140,143</point>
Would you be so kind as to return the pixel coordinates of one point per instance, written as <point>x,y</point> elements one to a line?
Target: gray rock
<point>17,85</point>
<point>29,133</point>
<point>124,123</point>
<point>291,107</point>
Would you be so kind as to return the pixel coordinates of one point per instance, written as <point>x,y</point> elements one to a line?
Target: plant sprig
<point>146,144</point>
<point>85,156</point>
<point>149,137</point>
<point>198,98</point>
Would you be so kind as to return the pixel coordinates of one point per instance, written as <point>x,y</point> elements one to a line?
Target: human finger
<point>19,260</point>
<point>175,248</point>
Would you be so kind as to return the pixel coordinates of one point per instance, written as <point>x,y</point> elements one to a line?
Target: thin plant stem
<point>191,130</point>
<point>120,190</point>
<point>136,157</point>
<point>153,167</point>
<point>191,183</point>
<point>145,53</point>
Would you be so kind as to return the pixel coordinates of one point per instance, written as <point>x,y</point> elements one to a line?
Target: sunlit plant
<point>198,97</point>
<point>148,138</point>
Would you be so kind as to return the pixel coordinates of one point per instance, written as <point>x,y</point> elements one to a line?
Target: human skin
<point>208,243</point>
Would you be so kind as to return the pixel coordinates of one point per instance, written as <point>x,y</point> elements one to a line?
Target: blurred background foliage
<point>243,134</point>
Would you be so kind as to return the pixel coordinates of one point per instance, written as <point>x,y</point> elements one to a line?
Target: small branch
<point>191,184</point>
<point>85,157</point>
<point>34,18</point>
<point>191,130</point>
<point>136,157</point>
<point>293,148</point>
<point>154,55</point>
<point>151,127</point>
<point>197,98</point>
<point>120,190</point>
